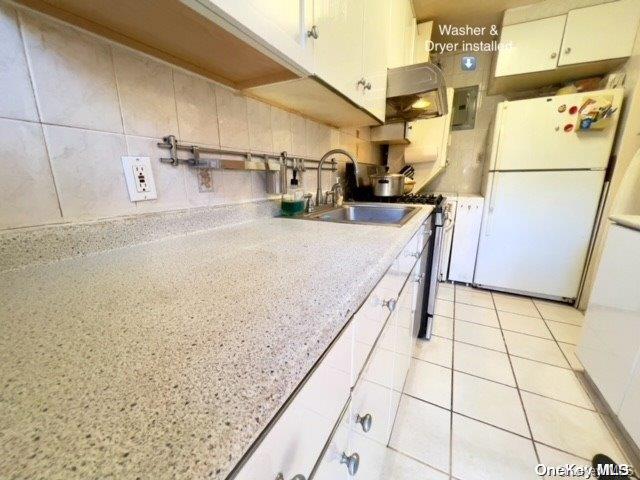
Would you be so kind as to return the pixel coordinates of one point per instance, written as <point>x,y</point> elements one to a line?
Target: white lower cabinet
<point>350,400</point>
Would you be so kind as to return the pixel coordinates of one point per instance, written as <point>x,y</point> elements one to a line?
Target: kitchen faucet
<point>334,151</point>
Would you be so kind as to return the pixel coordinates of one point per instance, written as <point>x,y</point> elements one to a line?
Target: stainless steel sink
<point>365,214</point>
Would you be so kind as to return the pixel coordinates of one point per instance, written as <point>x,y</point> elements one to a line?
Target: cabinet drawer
<point>297,439</point>
<point>372,400</point>
<point>409,255</point>
<point>331,465</point>
<point>404,334</point>
<point>425,232</point>
<point>291,447</point>
<point>379,368</point>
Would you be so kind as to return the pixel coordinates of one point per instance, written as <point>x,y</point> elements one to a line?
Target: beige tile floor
<point>495,391</point>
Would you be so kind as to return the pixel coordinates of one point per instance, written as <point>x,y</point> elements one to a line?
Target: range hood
<point>414,92</point>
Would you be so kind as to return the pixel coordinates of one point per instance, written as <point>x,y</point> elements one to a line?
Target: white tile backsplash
<point>87,167</point>
<point>146,94</point>
<point>259,118</point>
<point>298,135</point>
<point>318,139</point>
<point>99,101</point>
<point>16,100</point>
<point>57,54</point>
<point>196,107</point>
<point>27,192</point>
<point>281,130</point>
<point>232,118</point>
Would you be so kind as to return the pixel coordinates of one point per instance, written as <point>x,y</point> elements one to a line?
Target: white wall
<point>72,104</point>
<point>463,174</point>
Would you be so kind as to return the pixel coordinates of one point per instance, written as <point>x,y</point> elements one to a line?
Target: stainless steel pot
<point>388,185</point>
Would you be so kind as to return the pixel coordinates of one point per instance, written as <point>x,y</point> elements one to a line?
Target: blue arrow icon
<point>468,63</point>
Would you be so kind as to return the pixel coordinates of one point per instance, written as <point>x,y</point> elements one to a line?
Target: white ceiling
<point>463,12</point>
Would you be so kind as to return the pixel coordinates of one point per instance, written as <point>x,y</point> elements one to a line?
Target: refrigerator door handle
<point>491,205</point>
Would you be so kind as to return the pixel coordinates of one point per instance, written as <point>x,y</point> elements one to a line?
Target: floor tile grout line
<point>515,379</point>
<point>613,435</point>
<point>537,394</point>
<point>453,350</point>
<point>555,340</point>
<point>466,415</point>
<point>501,351</point>
<point>566,358</point>
<point>561,322</point>
<point>422,462</point>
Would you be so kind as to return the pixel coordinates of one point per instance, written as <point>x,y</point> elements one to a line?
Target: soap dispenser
<point>293,201</point>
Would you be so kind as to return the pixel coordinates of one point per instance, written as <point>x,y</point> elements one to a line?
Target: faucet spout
<point>330,153</point>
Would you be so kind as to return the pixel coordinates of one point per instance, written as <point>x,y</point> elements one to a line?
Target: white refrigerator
<point>544,179</point>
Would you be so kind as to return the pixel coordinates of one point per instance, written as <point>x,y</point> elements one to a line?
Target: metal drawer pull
<point>351,461</point>
<point>390,304</point>
<point>412,254</point>
<point>297,477</point>
<point>313,32</point>
<point>365,421</point>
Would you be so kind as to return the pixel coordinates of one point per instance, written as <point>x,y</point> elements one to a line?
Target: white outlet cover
<point>139,176</point>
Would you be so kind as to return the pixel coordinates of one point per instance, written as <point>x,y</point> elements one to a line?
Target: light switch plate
<point>139,176</point>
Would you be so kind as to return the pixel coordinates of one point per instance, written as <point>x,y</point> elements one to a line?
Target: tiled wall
<point>71,104</point>
<point>465,154</point>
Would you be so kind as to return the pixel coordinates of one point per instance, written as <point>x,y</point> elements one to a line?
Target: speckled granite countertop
<point>166,360</point>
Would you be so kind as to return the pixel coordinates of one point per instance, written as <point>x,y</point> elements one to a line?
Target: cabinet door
<point>600,32</point>
<point>374,56</point>
<point>280,25</point>
<point>338,48</point>
<point>398,13</point>
<point>534,46</point>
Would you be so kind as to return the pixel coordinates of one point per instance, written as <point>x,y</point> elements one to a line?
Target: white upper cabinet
<point>279,25</point>
<point>582,42</point>
<point>374,56</point>
<point>535,46</point>
<point>600,32</point>
<point>338,48</point>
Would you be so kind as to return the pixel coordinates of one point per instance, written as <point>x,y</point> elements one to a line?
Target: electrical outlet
<point>139,176</point>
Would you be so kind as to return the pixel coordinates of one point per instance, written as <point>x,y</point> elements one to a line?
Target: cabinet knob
<point>554,55</point>
<point>419,278</point>
<point>280,476</point>
<point>390,304</point>
<point>352,462</point>
<point>366,85</point>
<point>567,50</point>
<point>313,33</point>
<point>364,421</point>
